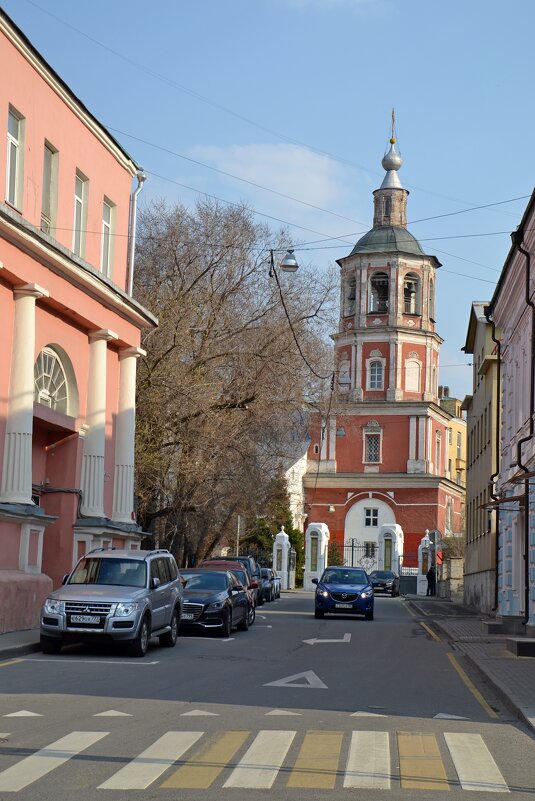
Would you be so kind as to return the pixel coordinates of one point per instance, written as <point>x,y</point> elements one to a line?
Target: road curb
<point>13,651</point>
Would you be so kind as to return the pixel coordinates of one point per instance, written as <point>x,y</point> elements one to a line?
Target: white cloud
<point>294,172</point>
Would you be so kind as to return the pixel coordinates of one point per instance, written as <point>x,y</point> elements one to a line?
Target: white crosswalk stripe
<point>368,762</point>
<point>34,767</point>
<point>148,766</point>
<point>257,760</point>
<point>260,764</point>
<point>474,763</point>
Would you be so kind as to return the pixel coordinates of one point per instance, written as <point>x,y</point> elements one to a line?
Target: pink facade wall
<point>49,118</point>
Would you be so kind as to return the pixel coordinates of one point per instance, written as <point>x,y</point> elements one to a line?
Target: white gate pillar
<point>317,538</point>
<point>281,557</point>
<point>424,563</point>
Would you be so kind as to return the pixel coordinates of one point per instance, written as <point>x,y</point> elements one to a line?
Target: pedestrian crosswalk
<point>243,759</point>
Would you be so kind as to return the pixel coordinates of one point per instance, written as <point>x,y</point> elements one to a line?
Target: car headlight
<point>366,593</point>
<point>323,593</point>
<point>389,583</point>
<point>53,606</point>
<point>124,609</point>
<point>216,605</point>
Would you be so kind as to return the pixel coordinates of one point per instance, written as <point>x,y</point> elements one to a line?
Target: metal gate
<point>354,554</point>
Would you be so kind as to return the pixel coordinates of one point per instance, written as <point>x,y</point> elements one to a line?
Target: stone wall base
<point>21,598</point>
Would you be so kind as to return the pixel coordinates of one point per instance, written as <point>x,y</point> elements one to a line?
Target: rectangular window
<point>49,193</point>
<point>372,447</point>
<point>376,375</point>
<point>14,161</point>
<point>371,517</point>
<point>80,214</point>
<point>459,445</point>
<point>107,229</point>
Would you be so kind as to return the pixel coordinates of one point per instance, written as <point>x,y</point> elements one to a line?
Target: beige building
<point>481,520</point>
<point>456,437</point>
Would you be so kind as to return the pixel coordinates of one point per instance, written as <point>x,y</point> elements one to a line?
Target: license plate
<point>85,619</point>
<point>187,616</point>
<point>344,606</point>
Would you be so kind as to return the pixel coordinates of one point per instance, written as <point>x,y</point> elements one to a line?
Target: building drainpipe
<point>518,238</point>
<point>487,313</point>
<point>141,178</point>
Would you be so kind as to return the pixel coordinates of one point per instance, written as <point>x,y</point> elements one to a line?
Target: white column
<point>17,467</point>
<point>125,430</point>
<point>421,438</point>
<point>412,438</point>
<point>332,439</point>
<point>95,439</point>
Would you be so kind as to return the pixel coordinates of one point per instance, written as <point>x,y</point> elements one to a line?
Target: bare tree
<point>222,389</point>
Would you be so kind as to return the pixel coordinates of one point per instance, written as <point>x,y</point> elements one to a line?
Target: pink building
<point>70,332</point>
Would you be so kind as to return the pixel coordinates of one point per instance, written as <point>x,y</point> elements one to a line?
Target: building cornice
<point>63,262</point>
<point>380,481</point>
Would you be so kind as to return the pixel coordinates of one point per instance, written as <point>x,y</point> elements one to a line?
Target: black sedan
<point>214,599</point>
<point>385,581</point>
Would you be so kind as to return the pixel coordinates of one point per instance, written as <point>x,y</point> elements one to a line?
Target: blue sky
<point>296,96</point>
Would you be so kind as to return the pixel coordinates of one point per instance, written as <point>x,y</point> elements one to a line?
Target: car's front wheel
<point>168,640</point>
<point>318,613</point>
<point>226,628</point>
<point>369,614</point>
<point>140,644</point>
<point>50,645</point>
<point>252,615</point>
<point>244,624</point>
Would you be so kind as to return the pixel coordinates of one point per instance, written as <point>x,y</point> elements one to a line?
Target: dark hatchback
<point>385,581</point>
<point>344,591</point>
<point>214,599</point>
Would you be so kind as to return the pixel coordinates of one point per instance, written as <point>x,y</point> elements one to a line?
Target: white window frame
<point>80,215</point>
<point>106,251</point>
<point>369,363</point>
<point>15,160</point>
<point>371,517</point>
<point>373,429</point>
<point>49,192</point>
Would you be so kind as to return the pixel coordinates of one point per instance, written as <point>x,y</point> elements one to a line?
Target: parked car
<point>122,595</point>
<point>266,585</point>
<point>250,564</point>
<point>214,599</point>
<point>243,577</point>
<point>277,583</point>
<point>385,581</point>
<point>344,590</point>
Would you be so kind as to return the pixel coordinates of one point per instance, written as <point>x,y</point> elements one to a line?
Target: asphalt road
<point>295,708</point>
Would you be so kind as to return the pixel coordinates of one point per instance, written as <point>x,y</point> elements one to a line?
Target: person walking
<point>431,581</point>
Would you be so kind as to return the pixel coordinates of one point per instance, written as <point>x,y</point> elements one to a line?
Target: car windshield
<point>97,570</point>
<point>382,574</point>
<point>344,576</point>
<point>205,581</point>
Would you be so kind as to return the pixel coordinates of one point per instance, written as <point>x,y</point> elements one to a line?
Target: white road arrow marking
<point>112,713</point>
<point>311,681</point>
<point>23,714</point>
<point>283,712</point>
<point>447,716</point>
<point>314,640</point>
<point>198,713</point>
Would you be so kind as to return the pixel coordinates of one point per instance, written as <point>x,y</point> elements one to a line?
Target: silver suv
<point>127,596</point>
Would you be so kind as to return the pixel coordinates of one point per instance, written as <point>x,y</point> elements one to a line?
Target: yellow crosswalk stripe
<point>420,763</point>
<point>203,768</point>
<point>317,762</point>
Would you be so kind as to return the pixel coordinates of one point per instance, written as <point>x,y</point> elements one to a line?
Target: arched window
<point>411,294</point>
<point>376,375</point>
<point>349,301</point>
<point>412,375</point>
<point>378,297</point>
<point>54,381</point>
<point>431,299</point>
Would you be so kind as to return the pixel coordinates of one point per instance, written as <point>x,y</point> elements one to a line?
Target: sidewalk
<point>512,677</point>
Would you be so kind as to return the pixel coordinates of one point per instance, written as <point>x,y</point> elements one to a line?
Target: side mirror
<point>155,582</point>
<point>314,581</point>
<point>64,579</point>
